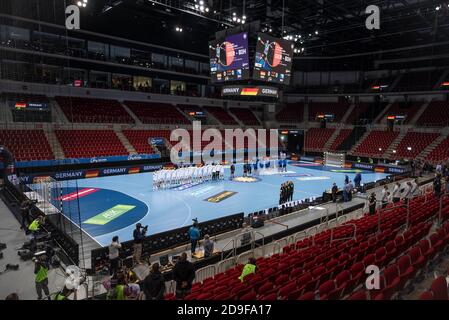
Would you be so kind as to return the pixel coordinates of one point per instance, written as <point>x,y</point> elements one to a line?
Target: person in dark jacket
<point>437,185</point>
<point>154,284</point>
<point>372,204</point>
<point>183,274</point>
<point>334,192</point>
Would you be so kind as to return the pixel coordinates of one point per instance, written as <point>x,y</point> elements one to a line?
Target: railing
<point>204,273</point>
<point>230,254</point>
<point>440,210</point>
<point>348,238</point>
<point>226,264</point>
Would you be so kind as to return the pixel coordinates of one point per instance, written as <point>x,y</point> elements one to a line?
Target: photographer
<point>41,279</point>
<point>138,236</point>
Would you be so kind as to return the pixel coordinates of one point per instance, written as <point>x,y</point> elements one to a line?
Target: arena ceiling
<point>321,27</point>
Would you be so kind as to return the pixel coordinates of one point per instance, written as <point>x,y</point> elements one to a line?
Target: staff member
<point>208,246</point>
<point>249,268</point>
<point>114,252</point>
<point>138,236</point>
<point>183,274</point>
<point>194,235</point>
<point>372,204</point>
<point>397,192</point>
<point>41,277</point>
<point>334,192</point>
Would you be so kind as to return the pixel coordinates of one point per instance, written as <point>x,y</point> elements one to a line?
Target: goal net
<point>334,159</point>
<point>45,190</point>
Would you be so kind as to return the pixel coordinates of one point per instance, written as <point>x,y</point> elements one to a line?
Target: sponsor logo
<point>363,166</point>
<point>220,196</point>
<point>114,171</point>
<point>134,157</point>
<point>98,160</point>
<point>68,175</point>
<point>109,215</point>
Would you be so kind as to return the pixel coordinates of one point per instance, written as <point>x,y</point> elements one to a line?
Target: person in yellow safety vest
<point>118,293</point>
<point>62,295</point>
<point>249,268</point>
<point>41,279</point>
<point>36,224</point>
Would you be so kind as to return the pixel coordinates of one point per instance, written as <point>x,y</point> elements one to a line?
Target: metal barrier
<point>350,225</point>
<point>230,254</point>
<point>243,257</point>
<point>300,236</point>
<point>254,244</point>
<point>440,210</point>
<point>225,265</point>
<point>170,286</point>
<point>204,273</point>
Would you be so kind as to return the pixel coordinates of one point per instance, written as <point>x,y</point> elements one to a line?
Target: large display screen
<point>229,58</point>
<point>273,61</point>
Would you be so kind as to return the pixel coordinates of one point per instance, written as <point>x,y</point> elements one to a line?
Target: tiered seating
<point>292,112</point>
<point>436,114</point>
<point>359,110</point>
<point>316,138</point>
<point>246,116</point>
<point>331,265</point>
<point>418,141</point>
<point>161,113</point>
<point>338,109</point>
<point>140,139</point>
<point>90,143</point>
<point>374,141</point>
<point>440,153</point>
<point>344,133</point>
<point>404,109</point>
<point>26,145</point>
<point>438,290</point>
<point>221,115</point>
<point>93,110</point>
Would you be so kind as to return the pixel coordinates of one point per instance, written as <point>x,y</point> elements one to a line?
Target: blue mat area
<point>119,202</point>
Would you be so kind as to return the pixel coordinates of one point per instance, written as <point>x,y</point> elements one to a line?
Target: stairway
<point>419,113</point>
<point>393,146</point>
<point>58,116</point>
<point>211,120</point>
<point>191,119</point>
<point>395,82</point>
<point>362,136</point>
<point>331,140</point>
<point>128,146</point>
<point>348,112</point>
<point>135,118</point>
<point>423,155</point>
<point>352,139</point>
<point>381,118</point>
<point>54,144</point>
<point>241,124</point>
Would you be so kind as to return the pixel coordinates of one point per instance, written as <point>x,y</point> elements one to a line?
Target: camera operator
<point>138,235</point>
<point>41,279</point>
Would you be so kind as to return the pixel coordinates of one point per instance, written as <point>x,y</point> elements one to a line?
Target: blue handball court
<point>109,206</point>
